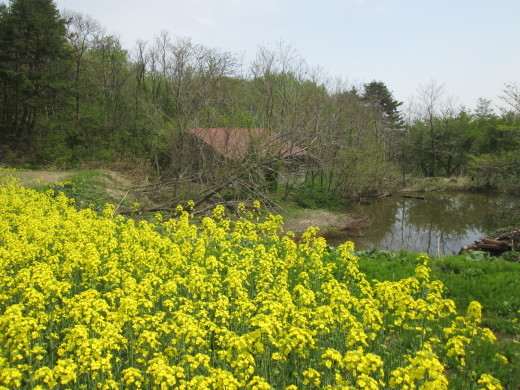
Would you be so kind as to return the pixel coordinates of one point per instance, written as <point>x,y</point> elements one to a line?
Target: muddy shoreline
<point>330,224</point>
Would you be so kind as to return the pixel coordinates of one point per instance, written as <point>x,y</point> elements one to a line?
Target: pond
<point>440,223</point>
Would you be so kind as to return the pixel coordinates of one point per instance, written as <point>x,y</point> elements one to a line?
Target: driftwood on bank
<point>487,244</point>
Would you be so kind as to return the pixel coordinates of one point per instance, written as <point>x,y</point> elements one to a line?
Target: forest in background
<point>72,96</point>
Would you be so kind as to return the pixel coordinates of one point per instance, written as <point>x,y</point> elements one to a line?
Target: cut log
<point>468,247</point>
<point>498,243</point>
<point>487,244</point>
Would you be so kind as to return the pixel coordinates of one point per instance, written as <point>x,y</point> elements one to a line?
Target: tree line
<point>71,94</point>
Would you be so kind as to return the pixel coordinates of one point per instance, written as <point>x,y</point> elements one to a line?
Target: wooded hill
<point>71,94</point>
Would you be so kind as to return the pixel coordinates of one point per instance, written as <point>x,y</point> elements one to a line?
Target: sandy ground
<point>326,221</point>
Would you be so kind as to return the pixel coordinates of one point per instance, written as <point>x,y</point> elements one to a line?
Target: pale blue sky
<point>472,46</point>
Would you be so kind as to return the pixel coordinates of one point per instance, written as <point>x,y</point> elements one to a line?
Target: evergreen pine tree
<point>32,72</point>
<point>376,93</point>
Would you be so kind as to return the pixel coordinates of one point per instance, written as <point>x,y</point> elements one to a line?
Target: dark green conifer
<point>32,67</point>
<point>377,94</point>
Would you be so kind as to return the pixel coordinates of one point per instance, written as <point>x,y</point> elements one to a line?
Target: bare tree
<point>82,31</point>
<point>140,62</point>
<point>511,97</point>
<point>429,99</point>
<point>185,81</point>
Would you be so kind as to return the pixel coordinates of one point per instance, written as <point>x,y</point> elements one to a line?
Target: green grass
<point>315,197</point>
<point>493,282</point>
<point>425,184</point>
<point>89,188</point>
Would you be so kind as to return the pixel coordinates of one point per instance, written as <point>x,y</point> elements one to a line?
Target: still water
<point>441,223</point>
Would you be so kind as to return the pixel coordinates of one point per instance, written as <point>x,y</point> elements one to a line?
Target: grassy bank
<point>457,183</point>
<point>426,184</point>
<point>493,282</point>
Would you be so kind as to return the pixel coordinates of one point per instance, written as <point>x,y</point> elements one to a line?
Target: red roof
<point>235,144</point>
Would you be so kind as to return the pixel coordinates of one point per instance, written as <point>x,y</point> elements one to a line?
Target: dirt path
<point>40,178</point>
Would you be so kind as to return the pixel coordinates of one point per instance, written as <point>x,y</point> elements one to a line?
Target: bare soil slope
<point>327,221</point>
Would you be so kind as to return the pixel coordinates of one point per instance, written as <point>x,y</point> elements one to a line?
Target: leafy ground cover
<point>92,300</point>
<point>474,276</point>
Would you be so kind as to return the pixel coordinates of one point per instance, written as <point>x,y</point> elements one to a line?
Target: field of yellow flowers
<point>90,301</point>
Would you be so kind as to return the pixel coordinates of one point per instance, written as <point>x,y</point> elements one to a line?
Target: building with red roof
<point>237,144</point>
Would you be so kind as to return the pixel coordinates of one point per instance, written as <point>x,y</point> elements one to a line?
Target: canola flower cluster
<point>92,301</point>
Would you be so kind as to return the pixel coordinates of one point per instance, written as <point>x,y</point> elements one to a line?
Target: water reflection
<point>440,224</point>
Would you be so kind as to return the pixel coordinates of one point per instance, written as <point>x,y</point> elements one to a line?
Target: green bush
<point>314,197</point>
